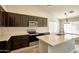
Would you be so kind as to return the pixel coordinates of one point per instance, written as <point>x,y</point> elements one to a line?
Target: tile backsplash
<point>20,30</point>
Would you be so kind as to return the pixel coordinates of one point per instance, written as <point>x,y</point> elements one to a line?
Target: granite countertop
<point>49,39</point>
<point>56,39</point>
<point>4,37</point>
<point>7,37</point>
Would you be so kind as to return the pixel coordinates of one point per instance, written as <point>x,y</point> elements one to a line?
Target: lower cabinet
<point>17,42</point>
<point>33,38</point>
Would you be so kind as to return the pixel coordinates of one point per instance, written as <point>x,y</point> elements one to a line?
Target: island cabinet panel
<point>9,19</point>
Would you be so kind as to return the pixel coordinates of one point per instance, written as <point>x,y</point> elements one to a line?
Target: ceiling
<point>52,10</point>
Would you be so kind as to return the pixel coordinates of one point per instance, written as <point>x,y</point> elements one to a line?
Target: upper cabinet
<point>2,17</point>
<point>9,19</point>
<point>17,20</point>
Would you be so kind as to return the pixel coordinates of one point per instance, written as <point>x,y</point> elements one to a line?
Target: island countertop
<point>56,39</point>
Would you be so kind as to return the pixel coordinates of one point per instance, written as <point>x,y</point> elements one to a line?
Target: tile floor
<point>76,46</point>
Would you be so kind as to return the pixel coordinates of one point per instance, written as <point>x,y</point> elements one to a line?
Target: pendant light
<point>66,14</point>
<point>67,22</point>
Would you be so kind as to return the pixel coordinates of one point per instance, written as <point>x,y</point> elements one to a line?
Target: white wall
<point>53,27</point>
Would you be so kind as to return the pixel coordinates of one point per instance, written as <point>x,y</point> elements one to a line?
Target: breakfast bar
<point>57,43</point>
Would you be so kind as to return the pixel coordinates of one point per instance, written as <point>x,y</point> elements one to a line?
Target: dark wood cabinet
<point>9,19</point>
<point>3,18</point>
<point>16,20</point>
<point>45,22</point>
<point>0,18</point>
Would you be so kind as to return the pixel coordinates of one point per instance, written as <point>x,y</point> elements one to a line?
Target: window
<point>73,27</point>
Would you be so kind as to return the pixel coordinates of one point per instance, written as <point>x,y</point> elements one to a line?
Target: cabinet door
<point>39,19</point>
<point>21,21</point>
<point>4,18</point>
<point>41,22</point>
<point>31,18</point>
<point>44,22</point>
<point>10,20</point>
<point>17,20</point>
<point>24,20</point>
<point>0,18</point>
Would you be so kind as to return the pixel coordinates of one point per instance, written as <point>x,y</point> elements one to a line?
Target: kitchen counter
<point>4,37</point>
<point>57,39</point>
<point>57,43</point>
<point>7,37</point>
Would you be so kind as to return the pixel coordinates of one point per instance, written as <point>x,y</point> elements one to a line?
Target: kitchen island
<point>51,43</point>
<point>57,43</point>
